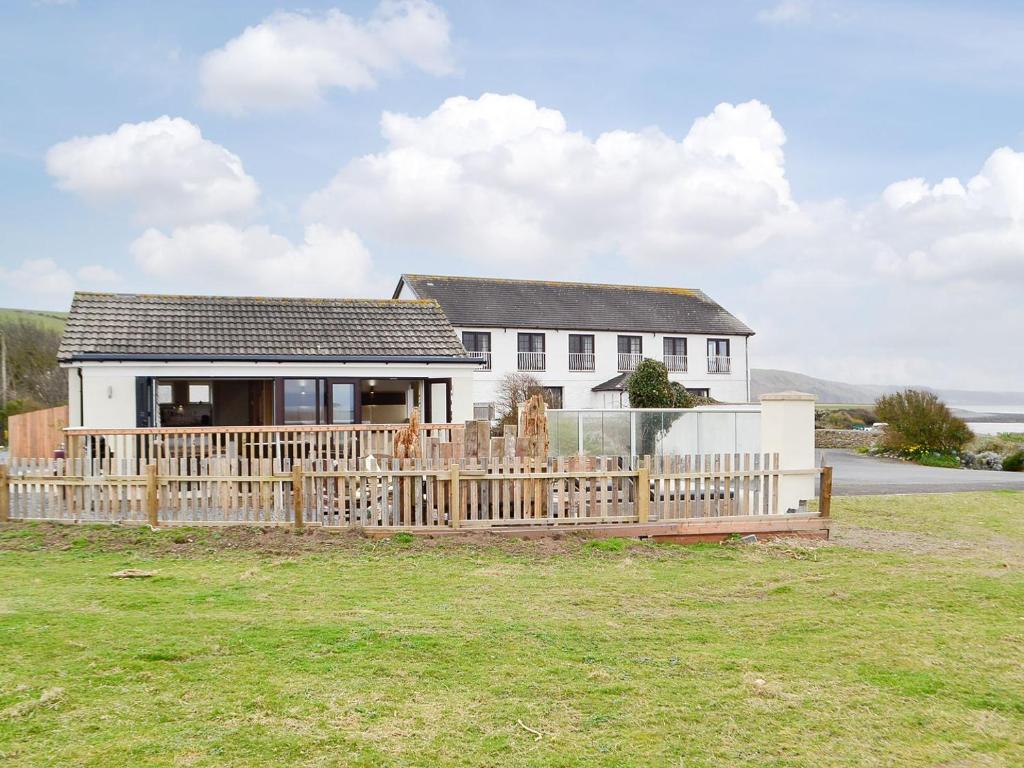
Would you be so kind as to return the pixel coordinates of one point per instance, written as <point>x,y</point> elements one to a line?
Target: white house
<point>582,340</point>
<point>182,361</point>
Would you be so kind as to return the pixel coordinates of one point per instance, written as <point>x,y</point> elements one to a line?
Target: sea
<point>992,427</point>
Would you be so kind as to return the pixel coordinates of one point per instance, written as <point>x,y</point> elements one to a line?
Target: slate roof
<point>496,303</point>
<point>133,326</point>
<point>614,384</point>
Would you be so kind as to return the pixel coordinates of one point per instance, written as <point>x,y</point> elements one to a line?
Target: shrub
<point>1014,462</point>
<point>919,421</point>
<point>648,386</point>
<point>935,459</point>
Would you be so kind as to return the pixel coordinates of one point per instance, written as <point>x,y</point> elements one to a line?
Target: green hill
<point>50,320</point>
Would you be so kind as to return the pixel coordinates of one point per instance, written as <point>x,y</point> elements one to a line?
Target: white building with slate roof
<point>582,340</point>
<point>183,361</point>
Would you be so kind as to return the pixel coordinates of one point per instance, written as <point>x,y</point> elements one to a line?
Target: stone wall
<point>844,438</point>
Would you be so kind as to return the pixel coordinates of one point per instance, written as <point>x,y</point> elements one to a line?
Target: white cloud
<point>786,12</point>
<point>46,284</point>
<point>892,290</point>
<point>293,59</point>
<point>164,168</point>
<point>219,257</point>
<point>500,179</point>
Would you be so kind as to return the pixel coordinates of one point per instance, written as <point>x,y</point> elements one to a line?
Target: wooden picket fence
<point>103,449</point>
<point>395,494</point>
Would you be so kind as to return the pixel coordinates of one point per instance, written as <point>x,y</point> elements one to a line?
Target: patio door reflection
<point>342,405</point>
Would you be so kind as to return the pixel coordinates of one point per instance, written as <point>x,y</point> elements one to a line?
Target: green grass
<point>50,320</point>
<point>933,459</point>
<point>333,651</point>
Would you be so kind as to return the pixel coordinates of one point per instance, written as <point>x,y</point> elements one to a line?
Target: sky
<point>846,177</point>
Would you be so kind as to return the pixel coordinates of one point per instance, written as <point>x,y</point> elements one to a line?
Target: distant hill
<point>52,320</point>
<point>770,380</point>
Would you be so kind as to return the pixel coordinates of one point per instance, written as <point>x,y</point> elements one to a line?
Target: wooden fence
<point>103,449</point>
<point>407,494</point>
<point>37,434</point>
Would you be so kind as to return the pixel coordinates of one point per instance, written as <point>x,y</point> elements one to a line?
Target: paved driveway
<point>855,474</point>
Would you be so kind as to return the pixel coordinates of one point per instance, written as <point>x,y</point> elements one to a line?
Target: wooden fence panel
<point>37,434</point>
<point>207,488</point>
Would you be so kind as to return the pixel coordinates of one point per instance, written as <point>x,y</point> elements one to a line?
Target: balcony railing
<point>719,365</point>
<point>485,355</point>
<point>581,361</point>
<point>628,361</point>
<point>531,361</point>
<point>675,362</point>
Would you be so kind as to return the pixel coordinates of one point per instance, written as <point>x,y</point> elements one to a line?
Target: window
<point>483,411</point>
<point>531,342</point>
<point>531,352</point>
<point>299,401</point>
<point>478,342</point>
<point>631,349</point>
<point>705,392</point>
<point>164,394</point>
<point>631,345</point>
<point>199,393</point>
<point>343,402</point>
<point>581,352</point>
<point>718,356</point>
<point>675,353</point>
<point>675,345</point>
<point>552,396</point>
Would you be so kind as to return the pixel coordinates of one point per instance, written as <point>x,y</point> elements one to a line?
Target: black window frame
<point>579,337</point>
<point>523,334</point>
<point>728,347</point>
<point>674,341</point>
<point>629,338</point>
<point>478,335</point>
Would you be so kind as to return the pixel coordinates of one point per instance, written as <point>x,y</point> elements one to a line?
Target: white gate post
<point>787,428</point>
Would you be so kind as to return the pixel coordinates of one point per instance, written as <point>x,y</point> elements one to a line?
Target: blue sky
<point>842,101</point>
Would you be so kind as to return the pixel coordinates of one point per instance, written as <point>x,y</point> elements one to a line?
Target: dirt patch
<point>275,541</point>
<point>880,540</point>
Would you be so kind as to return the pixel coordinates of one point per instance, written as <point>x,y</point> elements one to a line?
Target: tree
<point>649,387</point>
<point>920,421</point>
<point>515,389</point>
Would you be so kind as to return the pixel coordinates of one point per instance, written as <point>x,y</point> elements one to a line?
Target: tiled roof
<point>490,302</point>
<point>614,384</point>
<point>229,327</point>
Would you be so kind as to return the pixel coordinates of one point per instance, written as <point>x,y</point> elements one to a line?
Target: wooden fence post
<point>456,507</point>
<point>152,495</point>
<point>643,491</point>
<point>825,496</point>
<point>297,500</point>
<point>5,495</point>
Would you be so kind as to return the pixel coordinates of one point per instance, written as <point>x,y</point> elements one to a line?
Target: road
<point>855,475</point>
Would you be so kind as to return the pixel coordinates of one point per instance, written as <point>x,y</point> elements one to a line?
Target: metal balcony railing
<point>675,362</point>
<point>581,361</point>
<point>531,361</point>
<point>628,361</point>
<point>485,355</point>
<point>719,365</point>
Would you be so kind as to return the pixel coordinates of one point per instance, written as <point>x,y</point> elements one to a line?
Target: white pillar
<point>787,428</point>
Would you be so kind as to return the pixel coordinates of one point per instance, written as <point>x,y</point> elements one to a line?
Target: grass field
<point>51,320</point>
<point>899,644</point>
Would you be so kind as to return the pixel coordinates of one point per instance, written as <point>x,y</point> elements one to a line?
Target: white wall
<point>108,388</point>
<point>787,428</point>
<point>577,385</point>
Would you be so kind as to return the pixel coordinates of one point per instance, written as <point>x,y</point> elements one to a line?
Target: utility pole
<point>3,370</point>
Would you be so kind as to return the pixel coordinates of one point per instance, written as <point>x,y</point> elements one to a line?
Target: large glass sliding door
<point>342,401</point>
